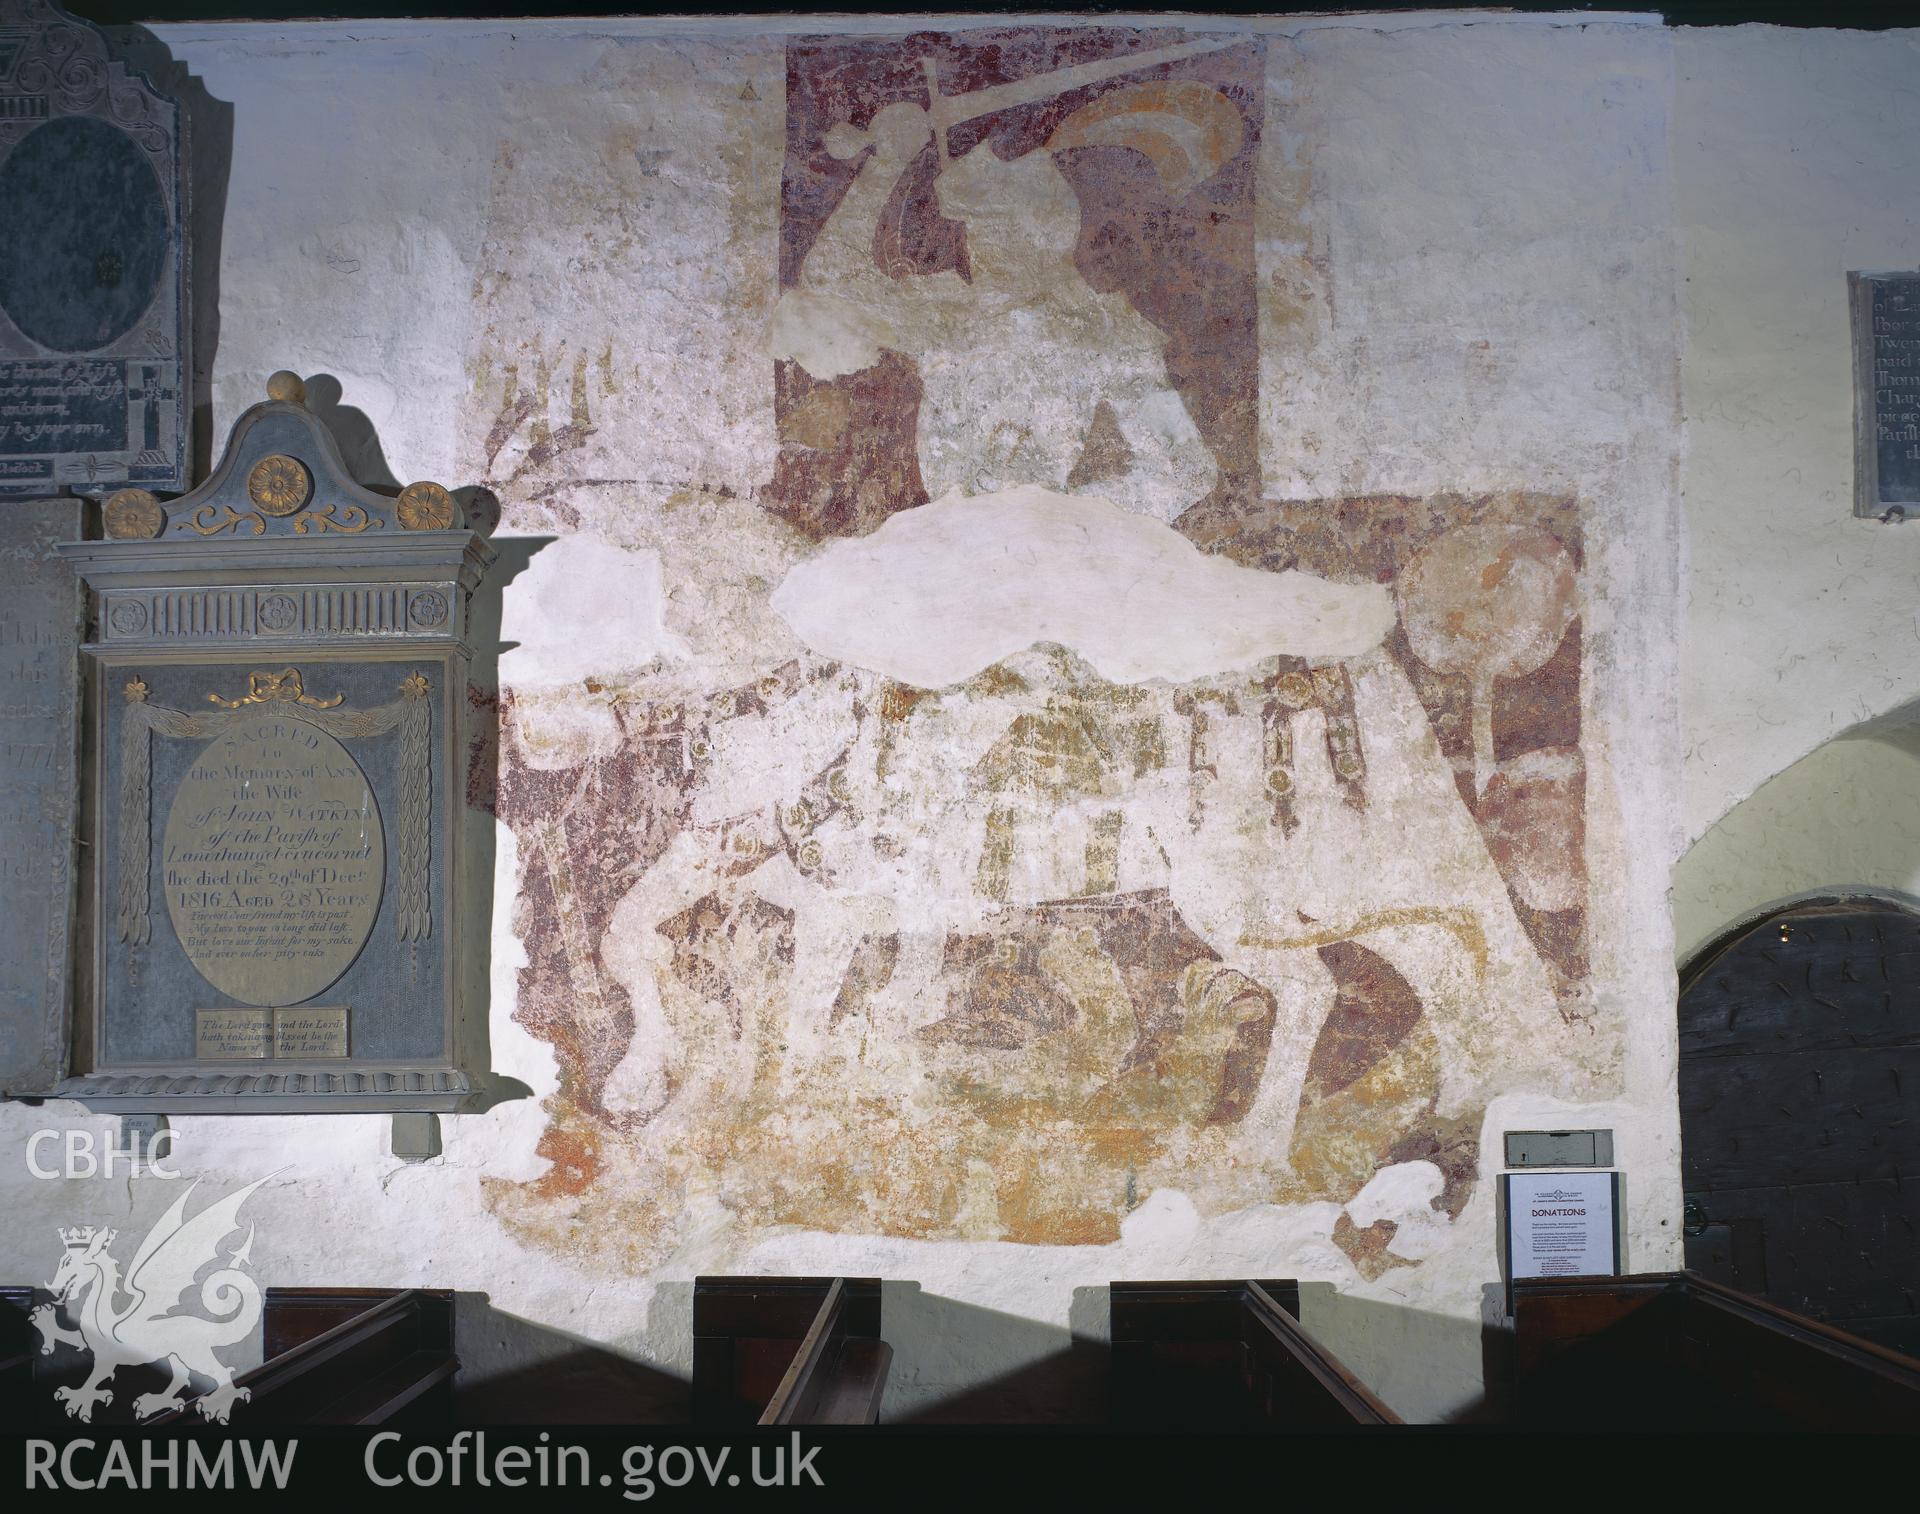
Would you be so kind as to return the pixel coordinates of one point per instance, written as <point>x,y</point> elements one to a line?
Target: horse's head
<point>85,1258</point>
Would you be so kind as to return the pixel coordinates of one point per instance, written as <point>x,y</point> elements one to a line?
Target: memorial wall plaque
<point>278,677</point>
<point>94,366</point>
<point>1886,393</point>
<point>39,788</point>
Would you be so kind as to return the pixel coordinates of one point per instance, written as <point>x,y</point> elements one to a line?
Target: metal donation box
<point>276,679</point>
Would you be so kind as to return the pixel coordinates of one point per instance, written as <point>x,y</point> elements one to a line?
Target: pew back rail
<point>1229,1352</point>
<point>1674,1349</point>
<point>348,1356</point>
<point>788,1350</point>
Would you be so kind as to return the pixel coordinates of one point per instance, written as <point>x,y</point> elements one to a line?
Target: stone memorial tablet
<point>39,789</point>
<point>278,686</point>
<point>1886,348</point>
<point>94,365</point>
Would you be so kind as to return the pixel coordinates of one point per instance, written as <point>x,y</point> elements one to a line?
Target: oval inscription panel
<point>273,861</point>
<point>83,234</point>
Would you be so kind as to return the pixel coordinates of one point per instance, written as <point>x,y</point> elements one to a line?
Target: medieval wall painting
<point>963,213</point>
<point>997,810</point>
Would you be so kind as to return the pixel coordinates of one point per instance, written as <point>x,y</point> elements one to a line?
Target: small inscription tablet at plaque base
<point>309,1033</point>
<point>225,1035</point>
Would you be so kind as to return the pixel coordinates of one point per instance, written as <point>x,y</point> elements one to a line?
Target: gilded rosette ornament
<point>426,506</point>
<point>279,485</point>
<point>133,515</point>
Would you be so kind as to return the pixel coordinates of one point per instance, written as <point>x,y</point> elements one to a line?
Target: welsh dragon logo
<point>88,1286</point>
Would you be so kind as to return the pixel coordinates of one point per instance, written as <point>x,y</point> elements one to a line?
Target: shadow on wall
<point>956,1363</point>
<point>208,166</point>
<point>481,776</point>
<point>353,431</point>
<point>1428,1368</point>
<point>514,1372</point>
<point>943,1351</point>
<point>953,1363</point>
<point>1838,821</point>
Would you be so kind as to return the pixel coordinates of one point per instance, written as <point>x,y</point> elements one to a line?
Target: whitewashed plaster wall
<point>1473,289</point>
<point>1788,147</point>
<point>1843,818</point>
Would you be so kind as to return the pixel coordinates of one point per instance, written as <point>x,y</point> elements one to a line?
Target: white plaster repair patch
<point>1403,1195</point>
<point>584,608</point>
<point>939,593</point>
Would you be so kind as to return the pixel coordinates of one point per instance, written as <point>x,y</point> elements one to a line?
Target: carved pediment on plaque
<point>282,475</point>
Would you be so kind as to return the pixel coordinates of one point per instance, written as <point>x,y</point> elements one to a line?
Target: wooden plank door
<point>1800,1114</point>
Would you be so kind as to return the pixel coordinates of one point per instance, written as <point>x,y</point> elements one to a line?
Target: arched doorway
<point>1800,1112</point>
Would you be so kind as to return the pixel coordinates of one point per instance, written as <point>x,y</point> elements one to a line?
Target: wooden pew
<point>330,1356</point>
<point>17,1349</point>
<point>348,1356</point>
<point>1673,1350</point>
<point>1227,1354</point>
<point>788,1350</point>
